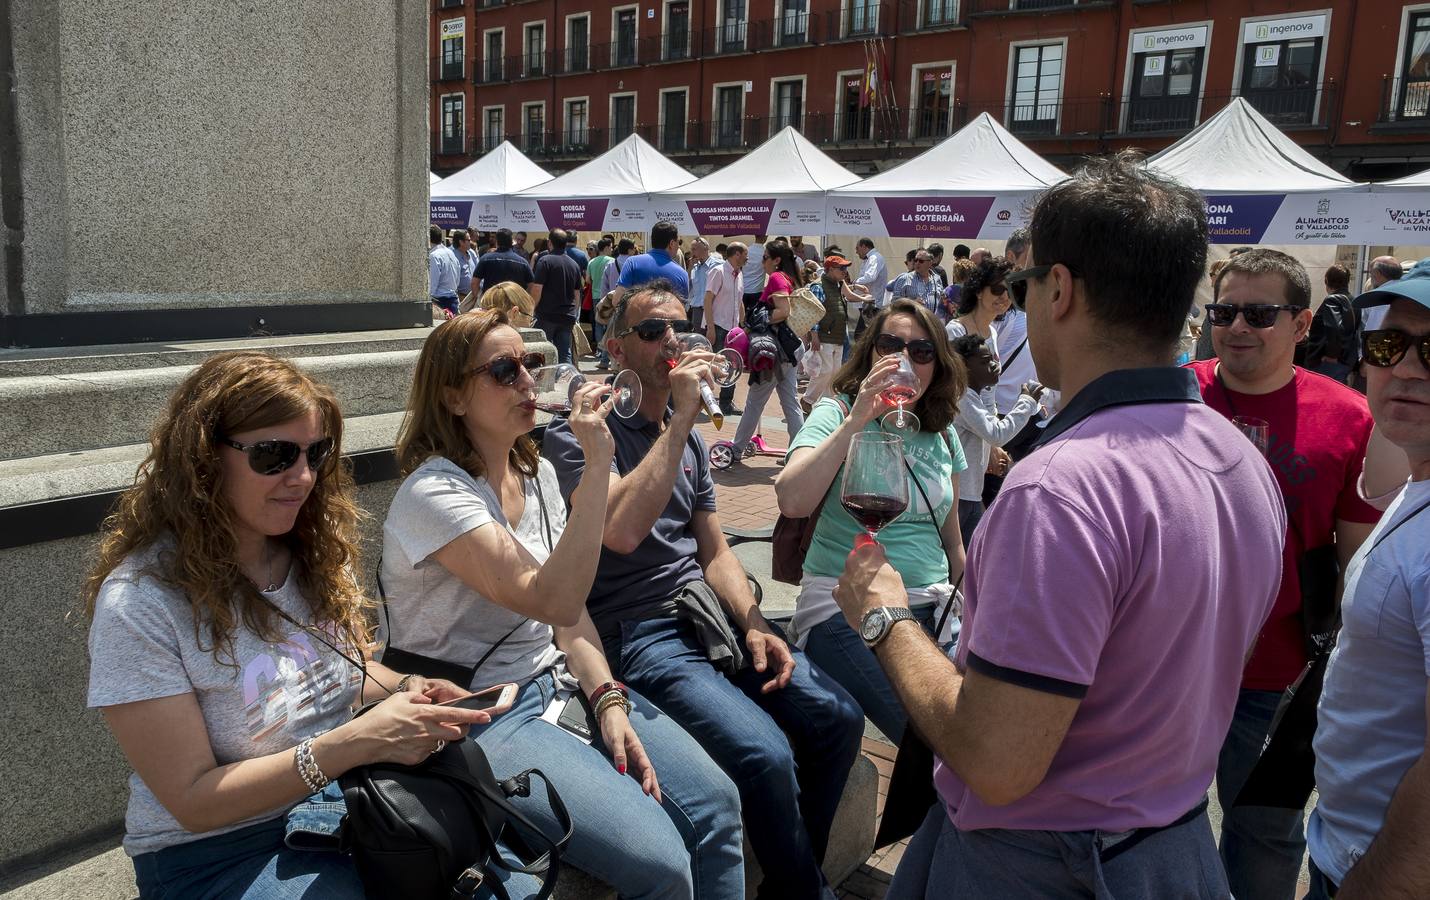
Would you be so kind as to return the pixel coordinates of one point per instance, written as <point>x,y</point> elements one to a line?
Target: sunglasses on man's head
<point>1257,315</point>
<point>504,369</point>
<point>921,350</point>
<point>1384,348</point>
<point>654,329</point>
<point>273,457</point>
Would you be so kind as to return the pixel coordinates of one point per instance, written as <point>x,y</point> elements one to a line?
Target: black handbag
<point>432,830</point>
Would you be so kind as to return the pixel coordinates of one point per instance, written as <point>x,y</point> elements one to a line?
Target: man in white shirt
<point>443,272</point>
<point>754,269</point>
<point>874,275</point>
<point>725,308</point>
<point>702,264</point>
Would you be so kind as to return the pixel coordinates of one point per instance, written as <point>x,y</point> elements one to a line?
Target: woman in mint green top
<point>923,544</point>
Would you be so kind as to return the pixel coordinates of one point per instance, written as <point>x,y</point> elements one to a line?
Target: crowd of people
<point>1136,565</point>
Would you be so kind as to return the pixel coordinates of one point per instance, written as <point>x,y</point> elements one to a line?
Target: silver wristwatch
<point>876,623</point>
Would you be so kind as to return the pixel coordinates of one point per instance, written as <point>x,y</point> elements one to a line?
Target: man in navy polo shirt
<point>658,263</point>
<point>680,624</point>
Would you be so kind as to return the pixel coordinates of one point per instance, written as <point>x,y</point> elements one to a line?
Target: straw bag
<point>805,312</point>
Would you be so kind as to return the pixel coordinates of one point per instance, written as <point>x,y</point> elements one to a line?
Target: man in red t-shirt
<point>1318,434</point>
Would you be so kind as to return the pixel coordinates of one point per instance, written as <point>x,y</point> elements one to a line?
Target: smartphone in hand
<point>496,699</point>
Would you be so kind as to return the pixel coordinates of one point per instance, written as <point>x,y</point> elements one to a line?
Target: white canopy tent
<point>474,196</point>
<point>610,193</point>
<point>433,178</point>
<point>1261,187</point>
<point>976,183</point>
<point>779,187</point>
<point>1400,211</point>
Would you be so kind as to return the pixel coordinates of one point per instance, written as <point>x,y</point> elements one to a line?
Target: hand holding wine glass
<point>875,490</point>
<point>869,404</point>
<point>900,389</point>
<point>588,422</point>
<point>725,369</point>
<point>556,388</point>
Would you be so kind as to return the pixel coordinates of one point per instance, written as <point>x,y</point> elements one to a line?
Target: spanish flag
<point>870,88</point>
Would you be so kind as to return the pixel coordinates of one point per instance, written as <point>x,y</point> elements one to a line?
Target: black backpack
<point>1333,333</point>
<point>431,830</point>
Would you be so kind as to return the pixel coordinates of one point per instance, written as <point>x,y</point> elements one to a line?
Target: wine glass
<point>556,385</point>
<point>901,388</point>
<point>875,491</point>
<point>725,370</point>
<point>1258,431</point>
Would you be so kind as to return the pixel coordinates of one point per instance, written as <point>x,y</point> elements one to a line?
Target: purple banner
<point>946,217</point>
<point>731,216</point>
<point>1240,218</point>
<point>450,213</point>
<point>575,215</point>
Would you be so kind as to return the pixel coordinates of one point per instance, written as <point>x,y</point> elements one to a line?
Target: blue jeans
<point>1261,846</point>
<point>450,304</point>
<point>1321,886</point>
<point>970,513</point>
<point>558,333</point>
<point>1178,863</point>
<point>598,341</point>
<point>690,845</point>
<point>253,863</point>
<point>843,655</point>
<point>789,751</point>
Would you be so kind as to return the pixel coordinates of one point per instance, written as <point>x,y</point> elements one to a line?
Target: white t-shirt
<point>1017,370</point>
<point>266,698</point>
<point>979,430</point>
<point>431,611</point>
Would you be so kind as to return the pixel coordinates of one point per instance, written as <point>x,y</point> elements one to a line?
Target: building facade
<point>704,80</point>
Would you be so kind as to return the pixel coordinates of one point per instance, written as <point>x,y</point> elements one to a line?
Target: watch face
<point>872,625</point>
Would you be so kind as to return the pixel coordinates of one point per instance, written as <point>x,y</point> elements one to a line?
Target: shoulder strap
<point>1016,350</point>
<point>1391,530</point>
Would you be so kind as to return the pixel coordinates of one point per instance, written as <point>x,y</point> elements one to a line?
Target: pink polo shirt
<point>1129,562</point>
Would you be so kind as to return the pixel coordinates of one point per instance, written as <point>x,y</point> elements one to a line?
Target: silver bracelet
<point>308,770</point>
<point>403,682</point>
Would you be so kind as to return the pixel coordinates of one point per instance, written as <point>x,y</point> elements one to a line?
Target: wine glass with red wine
<point>556,385</point>
<point>875,491</point>
<point>900,389</point>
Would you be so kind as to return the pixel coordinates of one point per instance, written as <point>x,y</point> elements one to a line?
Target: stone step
<point>63,412</point>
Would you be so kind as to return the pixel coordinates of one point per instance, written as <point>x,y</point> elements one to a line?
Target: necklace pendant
<point>271,588</point>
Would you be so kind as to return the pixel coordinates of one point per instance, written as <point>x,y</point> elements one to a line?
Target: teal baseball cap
<point>1413,285</point>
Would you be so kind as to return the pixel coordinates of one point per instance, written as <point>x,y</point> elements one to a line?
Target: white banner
<point>1399,217</point>
<point>1168,39</point>
<point>632,213</point>
<point>1283,29</point>
<point>986,217</point>
<point>454,28</point>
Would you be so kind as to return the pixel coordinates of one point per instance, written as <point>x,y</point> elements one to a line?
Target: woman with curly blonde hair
<point>226,630</point>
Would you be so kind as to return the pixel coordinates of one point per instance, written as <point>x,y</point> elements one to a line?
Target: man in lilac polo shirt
<point>1113,592</point>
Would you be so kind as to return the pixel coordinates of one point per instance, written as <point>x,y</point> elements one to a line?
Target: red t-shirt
<point>1319,429</point>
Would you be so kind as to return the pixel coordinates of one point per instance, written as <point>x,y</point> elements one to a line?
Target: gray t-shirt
<point>266,699</point>
<point>435,613</point>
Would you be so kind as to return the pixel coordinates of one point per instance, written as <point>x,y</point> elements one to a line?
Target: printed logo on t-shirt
<point>288,682</point>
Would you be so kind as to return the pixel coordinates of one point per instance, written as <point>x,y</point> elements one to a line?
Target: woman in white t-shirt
<point>484,572</point>
<point>983,299</point>
<point>225,639</point>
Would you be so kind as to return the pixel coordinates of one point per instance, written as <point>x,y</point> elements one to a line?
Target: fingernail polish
<point>621,768</point>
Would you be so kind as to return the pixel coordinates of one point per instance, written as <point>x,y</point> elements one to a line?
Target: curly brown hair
<point>938,404</point>
<point>178,498</point>
<point>430,428</point>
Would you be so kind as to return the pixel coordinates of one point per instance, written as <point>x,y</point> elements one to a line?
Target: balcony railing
<point>857,21</point>
<point>490,70</point>
<point>529,65</point>
<point>575,59</point>
<point>489,4</point>
<point>993,7</point>
<point>449,144</point>
<point>1405,104</point>
<point>449,4</point>
<point>448,69</point>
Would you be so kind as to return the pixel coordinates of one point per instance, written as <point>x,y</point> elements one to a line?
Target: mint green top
<point>912,540</point>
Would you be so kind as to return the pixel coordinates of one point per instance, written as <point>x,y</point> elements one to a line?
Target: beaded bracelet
<point>610,699</point>
<point>308,769</point>
<point>607,688</point>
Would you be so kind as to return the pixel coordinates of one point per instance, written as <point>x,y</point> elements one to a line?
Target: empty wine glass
<point>1258,431</point>
<point>556,386</point>
<point>875,490</point>
<point>901,388</point>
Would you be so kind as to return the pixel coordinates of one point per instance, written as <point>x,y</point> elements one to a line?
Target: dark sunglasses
<point>654,329</point>
<point>1257,315</point>
<point>1386,347</point>
<point>1017,282</point>
<point>273,457</point>
<point>504,369</point>
<point>921,350</point>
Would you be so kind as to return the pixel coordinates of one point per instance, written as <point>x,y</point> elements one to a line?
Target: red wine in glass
<point>555,408</point>
<point>874,511</point>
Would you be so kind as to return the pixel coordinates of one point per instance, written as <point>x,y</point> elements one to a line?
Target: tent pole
<point>1362,265</point>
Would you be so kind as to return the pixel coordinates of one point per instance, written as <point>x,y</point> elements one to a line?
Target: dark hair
<point>967,345</point>
<point>625,246</point>
<point>603,245</point>
<point>865,242</point>
<point>504,239</point>
<point>1338,278</point>
<point>1390,271</point>
<point>720,248</point>
<point>909,257</point>
<point>1136,239</point>
<point>1270,262</point>
<point>460,235</point>
<point>961,251</point>
<point>662,234</point>
<point>434,234</point>
<point>938,404</point>
<point>935,249</point>
<point>557,237</point>
<point>785,261</point>
<point>1018,241</point>
<point>833,250</point>
<point>623,305</point>
<point>988,273</point>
